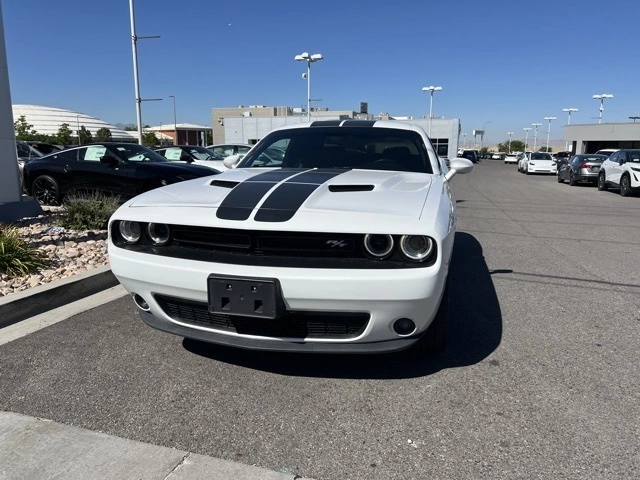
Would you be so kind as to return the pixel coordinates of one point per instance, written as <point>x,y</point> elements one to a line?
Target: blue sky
<point>507,63</point>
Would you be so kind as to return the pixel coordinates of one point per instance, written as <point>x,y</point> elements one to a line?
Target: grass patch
<point>89,211</point>
<point>17,257</point>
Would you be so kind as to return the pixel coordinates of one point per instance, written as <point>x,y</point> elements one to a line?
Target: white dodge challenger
<point>333,236</point>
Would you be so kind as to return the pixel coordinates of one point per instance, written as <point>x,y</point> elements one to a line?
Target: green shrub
<point>90,211</point>
<point>17,257</point>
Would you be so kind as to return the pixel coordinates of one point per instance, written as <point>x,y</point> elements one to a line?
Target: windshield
<point>202,153</point>
<point>139,153</point>
<point>540,156</point>
<point>341,147</point>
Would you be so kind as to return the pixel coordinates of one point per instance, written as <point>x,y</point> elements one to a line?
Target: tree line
<point>25,132</point>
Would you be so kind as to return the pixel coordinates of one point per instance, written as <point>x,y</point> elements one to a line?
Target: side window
<point>172,153</point>
<point>634,157</point>
<point>92,153</point>
<point>615,157</point>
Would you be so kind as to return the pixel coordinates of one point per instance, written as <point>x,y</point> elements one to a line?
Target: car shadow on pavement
<point>475,331</point>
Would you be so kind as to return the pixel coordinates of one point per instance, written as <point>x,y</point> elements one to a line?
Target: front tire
<point>602,184</point>
<point>625,186</point>
<point>45,190</point>
<point>572,180</point>
<point>560,179</point>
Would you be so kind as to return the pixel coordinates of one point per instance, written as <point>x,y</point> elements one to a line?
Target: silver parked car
<point>581,168</point>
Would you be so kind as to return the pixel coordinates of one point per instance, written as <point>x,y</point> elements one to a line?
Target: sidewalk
<point>34,448</point>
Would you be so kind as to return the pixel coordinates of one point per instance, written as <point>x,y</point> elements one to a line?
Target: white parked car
<point>511,158</point>
<point>522,160</point>
<point>340,244</point>
<point>193,154</point>
<point>539,162</point>
<point>621,170</point>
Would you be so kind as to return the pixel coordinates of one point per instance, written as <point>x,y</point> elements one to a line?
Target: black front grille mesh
<point>294,324</point>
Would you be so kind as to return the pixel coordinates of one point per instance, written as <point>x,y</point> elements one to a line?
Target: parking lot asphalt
<point>538,380</point>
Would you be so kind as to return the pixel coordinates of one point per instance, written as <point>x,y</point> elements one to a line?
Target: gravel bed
<point>70,252</point>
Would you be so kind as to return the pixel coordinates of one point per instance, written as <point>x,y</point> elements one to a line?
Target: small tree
<point>84,135</point>
<point>130,128</point>
<point>516,146</point>
<point>103,135</point>
<point>149,139</point>
<point>23,129</point>
<point>64,134</point>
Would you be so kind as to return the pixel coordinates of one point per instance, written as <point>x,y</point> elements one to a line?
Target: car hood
<point>279,195</point>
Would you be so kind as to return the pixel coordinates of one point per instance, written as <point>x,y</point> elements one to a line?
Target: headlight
<point>378,245</point>
<point>130,231</point>
<point>416,247</point>
<point>158,233</point>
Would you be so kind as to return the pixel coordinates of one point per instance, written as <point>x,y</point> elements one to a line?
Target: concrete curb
<point>34,301</point>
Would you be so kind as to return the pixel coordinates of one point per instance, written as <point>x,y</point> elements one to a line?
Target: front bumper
<point>384,296</point>
<point>542,169</point>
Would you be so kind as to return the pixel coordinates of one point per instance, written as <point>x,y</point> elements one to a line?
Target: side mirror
<point>458,165</point>
<point>231,161</point>
<point>108,159</point>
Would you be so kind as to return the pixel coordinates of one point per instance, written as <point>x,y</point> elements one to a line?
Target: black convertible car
<point>122,169</point>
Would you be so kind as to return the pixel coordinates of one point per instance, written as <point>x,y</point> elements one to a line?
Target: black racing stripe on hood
<point>358,123</point>
<point>326,123</point>
<point>241,201</point>
<point>284,201</point>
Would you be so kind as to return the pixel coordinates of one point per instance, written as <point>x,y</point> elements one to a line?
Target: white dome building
<point>47,121</point>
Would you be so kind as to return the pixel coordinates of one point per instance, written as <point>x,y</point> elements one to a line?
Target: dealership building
<point>250,124</point>
<point>589,138</point>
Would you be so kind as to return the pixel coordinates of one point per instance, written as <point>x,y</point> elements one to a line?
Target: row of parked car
<point>122,169</point>
<point>608,168</point>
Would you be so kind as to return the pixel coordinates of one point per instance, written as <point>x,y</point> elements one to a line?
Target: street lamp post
<point>535,136</point>
<point>509,133</point>
<point>464,140</point>
<point>305,57</point>
<point>526,137</point>
<point>601,97</point>
<point>549,130</point>
<point>569,111</point>
<point>431,89</point>
<point>175,125</point>
<point>484,130</point>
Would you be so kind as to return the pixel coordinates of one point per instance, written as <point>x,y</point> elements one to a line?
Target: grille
<point>294,324</point>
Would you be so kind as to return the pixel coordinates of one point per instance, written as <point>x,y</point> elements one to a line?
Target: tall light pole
<point>535,137</point>
<point>601,97</point>
<point>431,89</point>
<point>569,111</point>
<point>305,57</point>
<point>526,137</point>
<point>509,133</point>
<point>549,130</point>
<point>175,125</point>
<point>484,130</point>
<point>134,47</point>
<point>464,140</point>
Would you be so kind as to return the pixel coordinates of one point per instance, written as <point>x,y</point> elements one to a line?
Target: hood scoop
<point>224,183</point>
<point>350,188</point>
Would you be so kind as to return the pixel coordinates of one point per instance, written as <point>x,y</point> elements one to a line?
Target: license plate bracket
<point>245,296</point>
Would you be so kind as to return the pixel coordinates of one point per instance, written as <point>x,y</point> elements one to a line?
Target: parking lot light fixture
<point>306,57</point>
<point>569,111</point>
<point>431,89</point>
<point>550,119</point>
<point>526,137</point>
<point>510,134</point>
<point>601,97</point>
<point>535,135</point>
<point>484,130</point>
<point>175,125</point>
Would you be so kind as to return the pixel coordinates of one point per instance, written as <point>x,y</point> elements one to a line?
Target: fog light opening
<point>141,304</point>
<point>404,326</point>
